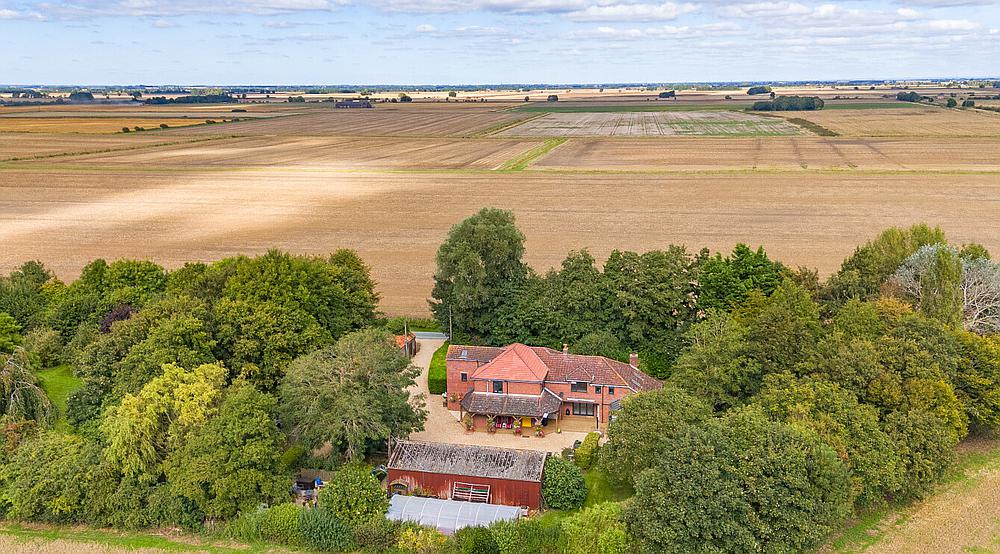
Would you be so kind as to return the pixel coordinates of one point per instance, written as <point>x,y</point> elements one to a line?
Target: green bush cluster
<point>586,454</point>
<point>437,373</point>
<point>563,486</point>
<point>789,104</point>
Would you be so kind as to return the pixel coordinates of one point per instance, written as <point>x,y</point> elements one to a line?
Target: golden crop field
<point>390,181</point>
<point>787,153</point>
<point>906,122</point>
<point>85,124</point>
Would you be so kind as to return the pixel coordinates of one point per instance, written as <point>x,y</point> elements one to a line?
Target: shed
<point>447,516</point>
<point>484,474</point>
<point>353,104</point>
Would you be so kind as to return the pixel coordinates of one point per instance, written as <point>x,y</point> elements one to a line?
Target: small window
<point>498,387</point>
<point>578,387</point>
<point>597,389</point>
<point>611,391</point>
<point>465,377</point>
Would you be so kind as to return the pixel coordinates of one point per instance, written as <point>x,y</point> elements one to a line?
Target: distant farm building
<point>353,104</point>
<point>468,473</point>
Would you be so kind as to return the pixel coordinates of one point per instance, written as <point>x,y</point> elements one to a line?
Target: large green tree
<point>352,395</point>
<point>740,484</point>
<point>233,461</point>
<point>644,425</point>
<point>479,272</point>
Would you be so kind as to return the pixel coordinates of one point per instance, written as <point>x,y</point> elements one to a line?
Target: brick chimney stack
<point>633,360</point>
<point>565,348</point>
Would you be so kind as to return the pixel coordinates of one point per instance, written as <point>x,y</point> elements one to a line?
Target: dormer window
<point>579,386</point>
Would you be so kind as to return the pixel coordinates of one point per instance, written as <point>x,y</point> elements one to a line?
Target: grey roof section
<point>430,335</point>
<point>512,404</point>
<point>448,516</point>
<point>470,461</point>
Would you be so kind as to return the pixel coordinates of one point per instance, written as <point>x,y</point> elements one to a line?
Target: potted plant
<point>470,425</point>
<point>517,430</point>
<point>491,425</point>
<point>539,432</point>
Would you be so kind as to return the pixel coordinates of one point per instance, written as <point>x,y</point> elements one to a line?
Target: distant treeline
<point>193,99</point>
<point>789,104</point>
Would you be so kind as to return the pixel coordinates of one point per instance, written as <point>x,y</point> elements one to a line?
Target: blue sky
<point>491,41</point>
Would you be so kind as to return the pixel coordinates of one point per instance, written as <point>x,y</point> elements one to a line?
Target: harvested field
<point>792,153</point>
<point>651,124</point>
<point>85,124</point>
<point>320,152</point>
<point>899,122</point>
<point>379,121</point>
<point>25,145</point>
<point>396,220</point>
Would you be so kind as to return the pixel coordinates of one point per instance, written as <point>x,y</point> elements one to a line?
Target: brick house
<point>519,385</point>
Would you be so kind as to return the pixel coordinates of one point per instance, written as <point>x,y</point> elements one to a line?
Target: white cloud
<point>764,9</point>
<point>163,24</point>
<point>633,12</point>
<point>8,14</point>
<point>426,28</point>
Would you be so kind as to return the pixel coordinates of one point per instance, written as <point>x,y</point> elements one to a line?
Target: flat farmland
<point>86,124</point>
<point>318,152</point>
<point>651,124</point>
<point>67,216</point>
<point>26,145</point>
<point>378,121</point>
<point>783,153</point>
<point>905,122</point>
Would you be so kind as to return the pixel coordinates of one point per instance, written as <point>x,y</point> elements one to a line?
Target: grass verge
<point>437,375</point>
<point>126,541</point>
<point>873,526</point>
<point>521,162</point>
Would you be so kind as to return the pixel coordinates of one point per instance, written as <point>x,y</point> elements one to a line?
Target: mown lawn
<point>58,382</point>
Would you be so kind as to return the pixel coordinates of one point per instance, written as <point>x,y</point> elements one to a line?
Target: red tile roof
<point>518,362</point>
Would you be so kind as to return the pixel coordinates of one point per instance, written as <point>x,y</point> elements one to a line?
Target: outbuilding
<point>483,474</point>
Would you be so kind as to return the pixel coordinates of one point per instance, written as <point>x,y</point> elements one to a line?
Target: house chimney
<point>565,348</point>
<point>633,360</point>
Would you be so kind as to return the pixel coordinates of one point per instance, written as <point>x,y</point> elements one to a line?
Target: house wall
<point>502,491</point>
<point>603,399</point>
<point>454,370</point>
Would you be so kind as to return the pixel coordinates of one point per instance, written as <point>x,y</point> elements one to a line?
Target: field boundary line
<point>520,163</point>
<point>112,150</point>
<point>500,127</point>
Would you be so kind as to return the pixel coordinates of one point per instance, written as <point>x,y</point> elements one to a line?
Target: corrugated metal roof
<point>448,516</point>
<point>473,461</point>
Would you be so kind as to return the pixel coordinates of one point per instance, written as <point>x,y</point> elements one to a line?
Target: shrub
<point>667,94</point>
<point>354,495</point>
<point>597,529</point>
<point>587,453</point>
<point>563,487</point>
<point>421,540</point>
<point>322,530</point>
<point>377,534</point>
<point>45,345</point>
<point>47,478</point>
<point>476,540</point>
<point>126,130</point>
<point>758,90</point>
<point>437,374</point>
<point>951,103</point>
<point>553,98</point>
<point>968,103</point>
<point>528,536</point>
<point>278,524</point>
<point>789,104</point>
<point>908,96</point>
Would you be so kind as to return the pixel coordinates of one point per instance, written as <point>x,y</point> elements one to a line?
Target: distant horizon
<point>470,86</point>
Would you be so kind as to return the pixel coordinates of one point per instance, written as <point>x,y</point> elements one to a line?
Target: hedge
<point>437,375</point>
<point>587,452</point>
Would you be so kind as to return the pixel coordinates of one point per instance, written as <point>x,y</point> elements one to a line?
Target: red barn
<point>470,473</point>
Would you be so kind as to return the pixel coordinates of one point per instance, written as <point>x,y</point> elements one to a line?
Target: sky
<point>314,42</point>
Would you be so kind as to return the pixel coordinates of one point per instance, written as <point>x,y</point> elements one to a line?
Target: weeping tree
<point>20,396</point>
<point>953,286</point>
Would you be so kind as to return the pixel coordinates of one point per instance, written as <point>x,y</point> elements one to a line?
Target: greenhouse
<point>448,516</point>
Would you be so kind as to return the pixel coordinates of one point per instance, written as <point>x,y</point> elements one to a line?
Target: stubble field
<point>651,124</point>
<point>392,180</point>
